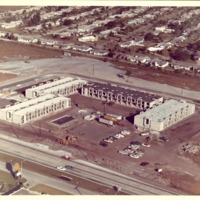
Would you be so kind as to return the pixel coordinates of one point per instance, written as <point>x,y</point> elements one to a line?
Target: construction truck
<point>62,141</point>
<point>71,138</point>
<point>114,119</point>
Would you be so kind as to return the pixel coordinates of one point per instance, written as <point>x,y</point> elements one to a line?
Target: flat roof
<point>147,97</point>
<point>28,103</point>
<point>64,85</point>
<point>40,105</point>
<point>164,110</point>
<point>52,84</point>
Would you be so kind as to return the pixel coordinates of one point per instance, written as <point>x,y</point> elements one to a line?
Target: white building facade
<point>33,109</point>
<point>65,86</point>
<point>123,96</point>
<point>164,115</point>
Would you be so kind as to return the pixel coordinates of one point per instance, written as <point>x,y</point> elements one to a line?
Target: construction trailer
<point>165,115</point>
<point>64,86</point>
<point>106,121</point>
<point>23,112</point>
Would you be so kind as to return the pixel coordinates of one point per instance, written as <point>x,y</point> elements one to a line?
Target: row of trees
<point>34,19</point>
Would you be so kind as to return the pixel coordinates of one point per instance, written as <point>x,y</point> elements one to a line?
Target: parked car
<point>69,167</point>
<point>144,164</point>
<point>118,136</point>
<point>164,138</point>
<point>145,134</point>
<point>66,157</point>
<point>158,170</point>
<point>134,147</point>
<point>109,141</point>
<point>103,143</point>
<point>125,132</point>
<point>128,150</point>
<point>123,152</point>
<point>61,168</point>
<point>136,143</point>
<point>146,145</point>
<point>111,103</point>
<point>113,138</point>
<point>134,156</point>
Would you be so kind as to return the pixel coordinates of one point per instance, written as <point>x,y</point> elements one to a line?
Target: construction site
<point>87,126</point>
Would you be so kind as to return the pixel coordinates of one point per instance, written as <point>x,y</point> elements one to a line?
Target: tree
<point>34,20</point>
<point>67,22</point>
<point>180,54</point>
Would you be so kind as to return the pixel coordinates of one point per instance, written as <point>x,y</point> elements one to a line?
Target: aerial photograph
<point>99,100</point>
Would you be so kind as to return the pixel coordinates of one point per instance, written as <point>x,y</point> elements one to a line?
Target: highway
<point>35,178</point>
<point>85,170</point>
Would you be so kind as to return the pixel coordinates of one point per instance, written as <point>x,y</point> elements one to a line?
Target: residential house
<point>136,21</point>
<point>161,64</point>
<point>82,48</point>
<point>155,48</point>
<point>99,52</point>
<point>12,24</point>
<point>164,29</point>
<point>66,46</point>
<point>90,38</point>
<point>2,34</point>
<point>25,39</point>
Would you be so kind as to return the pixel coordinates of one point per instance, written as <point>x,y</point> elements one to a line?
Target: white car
<point>128,150</point>
<point>134,156</point>
<point>125,132</point>
<point>134,146</point>
<point>61,168</point>
<point>144,134</point>
<point>109,141</point>
<point>146,145</point>
<point>123,152</point>
<point>119,136</point>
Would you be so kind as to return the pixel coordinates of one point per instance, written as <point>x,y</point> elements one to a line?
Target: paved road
<point>82,169</point>
<point>35,178</point>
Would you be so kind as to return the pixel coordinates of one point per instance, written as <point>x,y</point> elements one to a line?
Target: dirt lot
<point>7,76</point>
<point>44,189</point>
<point>9,8</point>
<point>16,51</point>
<point>180,79</point>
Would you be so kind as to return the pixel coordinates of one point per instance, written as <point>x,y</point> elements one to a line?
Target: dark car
<point>136,143</point>
<point>164,138</point>
<point>144,164</point>
<point>103,143</point>
<point>69,167</point>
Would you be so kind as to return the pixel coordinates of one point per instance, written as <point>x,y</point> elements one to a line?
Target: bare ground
<point>44,189</point>
<point>6,76</point>
<point>17,51</point>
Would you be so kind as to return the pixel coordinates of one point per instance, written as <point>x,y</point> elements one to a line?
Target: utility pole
<point>93,69</point>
